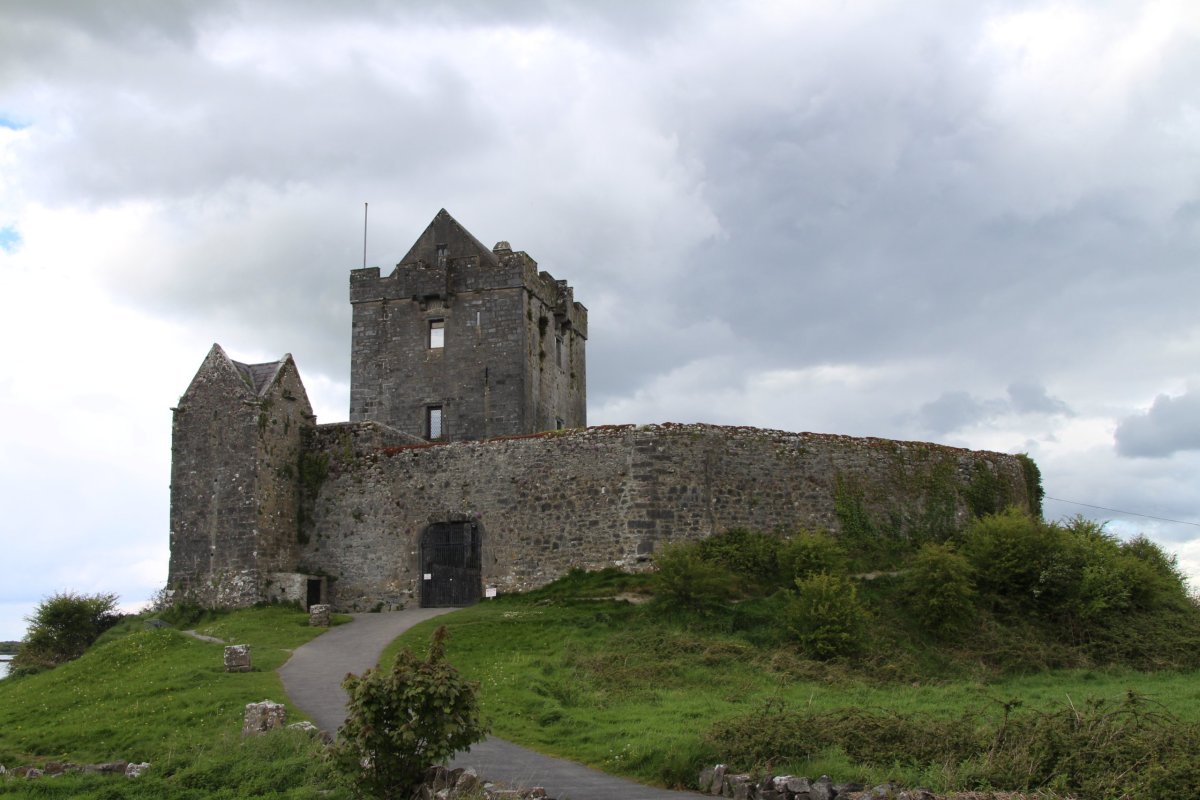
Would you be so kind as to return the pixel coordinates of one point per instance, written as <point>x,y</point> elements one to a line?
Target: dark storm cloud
<point>1171,425</point>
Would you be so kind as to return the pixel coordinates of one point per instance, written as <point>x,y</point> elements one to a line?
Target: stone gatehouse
<point>467,469</point>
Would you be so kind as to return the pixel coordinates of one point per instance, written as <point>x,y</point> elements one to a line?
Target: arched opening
<point>450,564</point>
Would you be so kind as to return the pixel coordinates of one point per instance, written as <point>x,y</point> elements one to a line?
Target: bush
<point>62,627</point>
<point>398,723</point>
<point>1017,560</point>
<point>810,552</point>
<point>753,558</point>
<point>825,616</point>
<point>940,591</point>
<point>685,580</point>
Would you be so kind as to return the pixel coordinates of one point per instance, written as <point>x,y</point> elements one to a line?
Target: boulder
<point>318,615</point>
<point>136,770</point>
<point>237,658</point>
<point>263,717</point>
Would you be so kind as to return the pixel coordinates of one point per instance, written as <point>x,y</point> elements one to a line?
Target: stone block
<point>237,658</point>
<point>263,717</point>
<point>318,615</point>
<point>136,770</point>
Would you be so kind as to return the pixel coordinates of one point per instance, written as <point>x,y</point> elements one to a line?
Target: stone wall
<point>609,496</point>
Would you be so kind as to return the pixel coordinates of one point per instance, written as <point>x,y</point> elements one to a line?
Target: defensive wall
<point>611,495</point>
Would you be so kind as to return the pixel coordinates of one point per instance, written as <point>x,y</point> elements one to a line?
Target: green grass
<point>163,697</point>
<point>633,692</point>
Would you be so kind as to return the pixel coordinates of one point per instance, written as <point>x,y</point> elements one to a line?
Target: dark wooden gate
<point>450,560</point>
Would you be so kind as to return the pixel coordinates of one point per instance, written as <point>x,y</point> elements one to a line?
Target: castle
<point>467,469</point>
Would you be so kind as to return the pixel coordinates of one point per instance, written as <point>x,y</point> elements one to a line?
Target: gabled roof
<point>255,379</point>
<point>260,376</point>
<point>445,230</point>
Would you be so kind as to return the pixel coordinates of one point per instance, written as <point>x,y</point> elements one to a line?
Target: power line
<point>1119,511</point>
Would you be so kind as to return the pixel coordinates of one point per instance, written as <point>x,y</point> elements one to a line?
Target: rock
<point>3,771</point>
<point>467,782</point>
<point>136,770</point>
<point>305,726</point>
<point>798,787</point>
<point>437,778</point>
<point>917,794</point>
<point>263,717</point>
<point>822,789</point>
<point>107,768</point>
<point>237,658</point>
<point>154,624</point>
<point>318,615</point>
<point>846,788</point>
<point>717,786</point>
<point>738,786</point>
<point>32,772</point>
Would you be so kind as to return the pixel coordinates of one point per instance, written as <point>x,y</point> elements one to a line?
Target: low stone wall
<point>611,495</point>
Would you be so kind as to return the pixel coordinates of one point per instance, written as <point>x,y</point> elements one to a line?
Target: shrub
<point>825,616</point>
<point>753,558</point>
<point>1017,560</point>
<point>940,591</point>
<point>685,580</point>
<point>810,552</point>
<point>398,723</point>
<point>62,627</point>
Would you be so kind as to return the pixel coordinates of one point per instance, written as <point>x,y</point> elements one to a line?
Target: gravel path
<point>312,678</point>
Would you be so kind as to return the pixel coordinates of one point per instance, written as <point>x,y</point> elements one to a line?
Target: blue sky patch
<point>10,240</point>
<point>8,122</point>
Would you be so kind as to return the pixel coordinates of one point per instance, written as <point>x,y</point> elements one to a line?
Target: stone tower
<point>236,440</point>
<point>462,342</point>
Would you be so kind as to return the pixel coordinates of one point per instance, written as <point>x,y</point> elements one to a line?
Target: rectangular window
<point>441,255</point>
<point>559,424</point>
<point>558,348</point>
<point>437,334</point>
<point>433,422</point>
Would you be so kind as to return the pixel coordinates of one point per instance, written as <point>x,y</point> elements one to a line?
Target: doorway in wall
<point>313,593</point>
<point>450,564</point>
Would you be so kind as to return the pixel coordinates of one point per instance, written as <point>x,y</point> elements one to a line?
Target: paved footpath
<point>312,678</point>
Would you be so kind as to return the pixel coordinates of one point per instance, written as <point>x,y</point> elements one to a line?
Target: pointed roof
<point>446,231</point>
<point>255,378</point>
<point>260,376</point>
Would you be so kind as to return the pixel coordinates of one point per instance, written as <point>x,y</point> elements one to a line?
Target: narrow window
<point>437,334</point>
<point>558,348</point>
<point>441,255</point>
<point>433,422</point>
<point>558,424</point>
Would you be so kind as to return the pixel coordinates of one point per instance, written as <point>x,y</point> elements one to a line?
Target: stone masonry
<point>466,469</point>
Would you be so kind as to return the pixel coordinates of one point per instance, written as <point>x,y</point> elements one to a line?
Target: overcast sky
<point>968,223</point>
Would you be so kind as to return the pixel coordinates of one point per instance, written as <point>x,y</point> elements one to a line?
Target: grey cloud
<point>1032,398</point>
<point>1172,425</point>
<point>954,411</point>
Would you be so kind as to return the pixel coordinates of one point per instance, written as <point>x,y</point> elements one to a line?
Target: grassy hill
<point>163,697</point>
<point>645,677</point>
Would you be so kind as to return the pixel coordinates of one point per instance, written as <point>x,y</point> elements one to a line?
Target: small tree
<point>62,627</point>
<point>685,580</point>
<point>825,616</point>
<point>940,591</point>
<point>400,722</point>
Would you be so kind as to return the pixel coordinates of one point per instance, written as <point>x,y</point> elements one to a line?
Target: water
<point>4,665</point>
